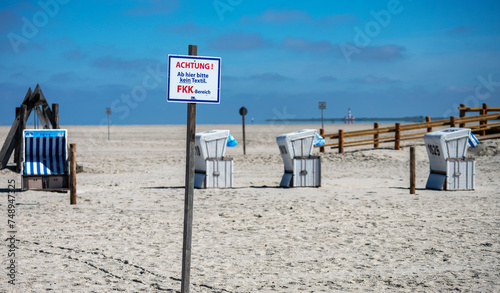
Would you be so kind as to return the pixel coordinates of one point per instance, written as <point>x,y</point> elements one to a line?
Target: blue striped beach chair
<point>45,163</point>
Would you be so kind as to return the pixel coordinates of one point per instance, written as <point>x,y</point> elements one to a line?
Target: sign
<point>243,111</point>
<point>44,133</point>
<point>108,111</point>
<point>193,79</point>
<point>322,105</point>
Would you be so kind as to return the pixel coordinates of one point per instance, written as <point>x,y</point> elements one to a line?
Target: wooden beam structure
<point>49,119</point>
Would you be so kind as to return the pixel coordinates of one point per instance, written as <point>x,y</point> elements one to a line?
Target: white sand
<point>360,232</point>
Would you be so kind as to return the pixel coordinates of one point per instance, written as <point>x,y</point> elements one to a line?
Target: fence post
<point>397,136</point>
<point>341,141</point>
<point>462,114</point>
<point>322,134</point>
<point>428,120</point>
<point>452,121</point>
<point>484,123</point>
<point>375,136</point>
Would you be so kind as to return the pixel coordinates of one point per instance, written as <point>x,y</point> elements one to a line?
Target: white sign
<point>322,105</point>
<point>193,79</point>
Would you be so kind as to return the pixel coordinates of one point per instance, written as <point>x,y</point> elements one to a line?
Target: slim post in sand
<point>412,170</point>
<point>189,189</point>
<point>322,124</point>
<point>243,112</point>
<point>72,161</point>
<point>452,121</point>
<point>397,137</point>
<point>375,136</point>
<point>108,112</point>
<point>244,140</point>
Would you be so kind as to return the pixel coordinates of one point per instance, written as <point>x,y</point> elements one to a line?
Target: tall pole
<point>244,142</point>
<point>322,125</point>
<point>322,106</point>
<point>108,126</point>
<point>243,112</point>
<point>108,112</point>
<point>189,189</point>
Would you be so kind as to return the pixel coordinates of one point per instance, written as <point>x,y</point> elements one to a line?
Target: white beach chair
<point>212,168</point>
<point>301,168</point>
<point>450,169</point>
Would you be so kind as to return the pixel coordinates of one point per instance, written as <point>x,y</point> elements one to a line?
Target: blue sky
<point>279,58</point>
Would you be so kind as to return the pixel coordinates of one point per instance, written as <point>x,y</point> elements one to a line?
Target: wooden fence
<point>481,111</point>
<point>402,132</point>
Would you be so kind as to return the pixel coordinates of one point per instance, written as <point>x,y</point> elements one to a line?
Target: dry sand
<point>360,232</point>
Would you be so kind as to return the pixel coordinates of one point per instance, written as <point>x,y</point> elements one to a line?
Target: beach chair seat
<point>45,159</point>
<point>301,168</point>
<point>212,168</point>
<point>450,169</point>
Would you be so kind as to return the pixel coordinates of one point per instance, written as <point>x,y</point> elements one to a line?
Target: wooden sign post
<point>191,80</point>
<point>322,106</point>
<point>243,112</point>
<point>108,112</point>
<point>189,190</point>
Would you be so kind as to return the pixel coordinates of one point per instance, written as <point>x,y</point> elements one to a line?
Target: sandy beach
<point>361,231</point>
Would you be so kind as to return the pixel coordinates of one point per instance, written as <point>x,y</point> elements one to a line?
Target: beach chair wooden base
<point>460,175</point>
<point>45,160</point>
<point>306,173</point>
<point>218,173</point>
<point>45,182</point>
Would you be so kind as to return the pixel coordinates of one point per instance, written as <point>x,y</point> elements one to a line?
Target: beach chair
<point>450,169</point>
<point>45,160</point>
<point>212,168</point>
<point>301,168</point>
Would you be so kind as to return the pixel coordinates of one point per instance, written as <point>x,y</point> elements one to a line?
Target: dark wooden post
<point>484,123</point>
<point>72,175</point>
<point>244,140</point>
<point>10,142</point>
<point>243,111</point>
<point>375,136</point>
<point>462,114</point>
<point>189,190</point>
<point>412,170</point>
<point>322,134</point>
<point>428,120</point>
<point>341,141</point>
<point>23,116</point>
<point>19,135</point>
<point>452,121</point>
<point>397,137</point>
<point>55,116</point>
